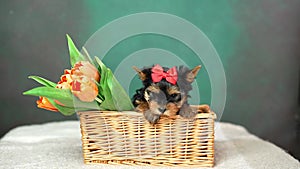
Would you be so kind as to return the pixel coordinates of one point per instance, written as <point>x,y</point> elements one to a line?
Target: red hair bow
<point>158,74</point>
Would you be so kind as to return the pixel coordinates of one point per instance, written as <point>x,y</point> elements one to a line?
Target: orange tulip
<point>85,89</point>
<point>44,103</point>
<point>85,68</point>
<point>81,81</point>
<point>65,80</point>
<point>83,86</point>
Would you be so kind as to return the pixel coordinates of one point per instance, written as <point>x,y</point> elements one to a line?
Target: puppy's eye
<point>174,95</point>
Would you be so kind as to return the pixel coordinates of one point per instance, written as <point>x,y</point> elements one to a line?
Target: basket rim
<point>211,114</point>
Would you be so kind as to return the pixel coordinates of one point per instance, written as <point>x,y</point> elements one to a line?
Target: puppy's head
<point>166,89</point>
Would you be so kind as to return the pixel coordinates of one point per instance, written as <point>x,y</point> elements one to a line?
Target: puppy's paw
<point>187,112</point>
<point>142,106</point>
<point>204,108</point>
<point>172,110</point>
<point>151,117</point>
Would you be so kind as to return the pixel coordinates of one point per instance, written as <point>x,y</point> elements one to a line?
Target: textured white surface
<point>58,145</point>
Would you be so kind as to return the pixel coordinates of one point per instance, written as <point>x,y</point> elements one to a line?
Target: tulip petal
<point>76,85</point>
<point>44,103</point>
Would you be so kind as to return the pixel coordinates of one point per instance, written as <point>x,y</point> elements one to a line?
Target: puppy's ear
<point>192,74</point>
<point>140,73</point>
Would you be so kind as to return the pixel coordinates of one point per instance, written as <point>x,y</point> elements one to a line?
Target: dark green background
<point>258,42</point>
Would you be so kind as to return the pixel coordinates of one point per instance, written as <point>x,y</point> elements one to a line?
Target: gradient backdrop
<point>258,42</point>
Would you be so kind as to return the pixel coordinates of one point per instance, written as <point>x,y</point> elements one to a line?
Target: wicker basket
<point>127,138</point>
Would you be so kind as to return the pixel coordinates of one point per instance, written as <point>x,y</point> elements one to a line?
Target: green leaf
<point>67,111</point>
<point>65,97</point>
<point>115,97</point>
<point>78,104</point>
<point>75,55</point>
<point>43,81</point>
<point>120,97</point>
<point>87,56</point>
<point>62,95</point>
<point>104,90</point>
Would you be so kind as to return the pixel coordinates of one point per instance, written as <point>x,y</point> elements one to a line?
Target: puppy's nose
<point>161,110</point>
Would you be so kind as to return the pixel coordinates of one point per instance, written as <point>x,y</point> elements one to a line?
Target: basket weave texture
<point>127,138</point>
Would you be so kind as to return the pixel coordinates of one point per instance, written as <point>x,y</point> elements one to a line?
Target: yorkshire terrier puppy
<point>165,92</point>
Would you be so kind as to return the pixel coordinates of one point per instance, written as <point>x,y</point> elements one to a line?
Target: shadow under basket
<point>110,137</point>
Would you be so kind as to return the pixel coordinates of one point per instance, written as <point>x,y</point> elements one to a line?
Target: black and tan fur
<point>164,98</point>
